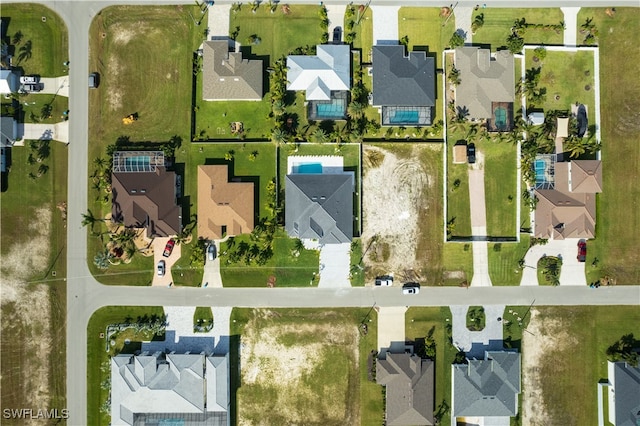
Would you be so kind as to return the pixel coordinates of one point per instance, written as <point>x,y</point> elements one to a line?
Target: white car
<point>411,288</point>
<point>384,280</point>
<point>161,268</point>
<point>29,79</point>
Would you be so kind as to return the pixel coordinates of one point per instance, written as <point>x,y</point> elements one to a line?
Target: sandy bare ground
<point>32,307</point>
<point>541,339</point>
<point>285,370</point>
<point>390,205</point>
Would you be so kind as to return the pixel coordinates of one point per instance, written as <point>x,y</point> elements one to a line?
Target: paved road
<point>85,295</point>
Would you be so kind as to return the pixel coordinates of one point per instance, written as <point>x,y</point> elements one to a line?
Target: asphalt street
<point>85,294</point>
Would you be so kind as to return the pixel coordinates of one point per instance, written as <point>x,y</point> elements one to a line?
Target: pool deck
<point>330,163</point>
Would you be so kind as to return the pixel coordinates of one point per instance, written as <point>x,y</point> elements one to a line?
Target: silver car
<point>161,268</point>
<point>211,251</point>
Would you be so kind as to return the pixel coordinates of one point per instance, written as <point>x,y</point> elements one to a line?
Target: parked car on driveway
<point>211,251</point>
<point>168,248</point>
<point>29,79</point>
<point>410,288</point>
<point>471,153</point>
<point>582,251</point>
<point>32,87</point>
<point>384,280</point>
<point>161,268</point>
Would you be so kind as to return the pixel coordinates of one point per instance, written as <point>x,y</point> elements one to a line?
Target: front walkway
<point>385,24</point>
<point>570,25</point>
<point>335,262</point>
<point>335,13</point>
<point>474,343</point>
<point>181,338</point>
<point>572,271</point>
<point>391,333</point>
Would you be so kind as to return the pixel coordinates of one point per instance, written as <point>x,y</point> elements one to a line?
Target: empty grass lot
<point>568,76</point>
<point>614,251</point>
<point>498,23</point>
<point>500,179</point>
<point>575,358</point>
<point>503,261</point>
<point>49,39</point>
<point>32,253</point>
<point>332,386</point>
<point>419,322</point>
<point>279,33</point>
<point>98,359</point>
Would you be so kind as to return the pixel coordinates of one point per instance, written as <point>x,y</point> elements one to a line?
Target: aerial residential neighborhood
<point>305,213</point>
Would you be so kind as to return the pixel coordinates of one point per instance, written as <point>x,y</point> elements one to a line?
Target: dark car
<point>168,248</point>
<point>211,251</point>
<point>471,153</point>
<point>32,87</point>
<point>94,80</point>
<point>582,251</point>
<point>583,122</point>
<point>337,35</point>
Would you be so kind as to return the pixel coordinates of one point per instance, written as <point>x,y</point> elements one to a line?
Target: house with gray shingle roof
<point>624,394</point>
<point>409,382</point>
<point>191,389</point>
<point>487,85</point>
<point>320,206</point>
<point>487,387</point>
<point>404,87</point>
<point>227,75</point>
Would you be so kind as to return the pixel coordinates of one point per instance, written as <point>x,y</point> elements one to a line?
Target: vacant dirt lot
<point>299,370</point>
<point>393,200</point>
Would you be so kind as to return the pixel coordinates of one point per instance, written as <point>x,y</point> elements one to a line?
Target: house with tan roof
<point>225,207</point>
<point>227,76</point>
<point>487,86</point>
<point>144,193</point>
<point>409,382</point>
<point>566,206</point>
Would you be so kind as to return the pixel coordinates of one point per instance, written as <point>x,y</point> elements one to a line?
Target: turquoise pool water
<point>141,161</point>
<point>335,109</point>
<point>540,167</point>
<point>501,117</point>
<point>405,116</point>
<point>310,168</point>
<point>171,422</point>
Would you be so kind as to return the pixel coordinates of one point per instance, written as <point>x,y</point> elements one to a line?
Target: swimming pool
<point>540,168</point>
<point>405,116</point>
<point>171,422</point>
<point>309,168</point>
<point>501,117</point>
<point>334,109</point>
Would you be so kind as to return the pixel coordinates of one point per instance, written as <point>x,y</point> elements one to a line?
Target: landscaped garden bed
<point>549,270</point>
<point>476,318</point>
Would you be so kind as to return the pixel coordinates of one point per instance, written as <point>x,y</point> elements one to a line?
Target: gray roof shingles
<point>227,76</point>
<point>399,80</point>
<point>627,394</point>
<point>320,206</point>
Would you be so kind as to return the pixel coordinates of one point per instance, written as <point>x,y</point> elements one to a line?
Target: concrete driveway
<point>478,211</point>
<point>385,24</point>
<point>335,13</point>
<point>158,248</point>
<point>474,343</point>
<point>56,86</point>
<point>46,132</point>
<point>180,336</point>
<point>334,265</point>
<point>211,276</point>
<point>218,20</point>
<point>391,333</point>
<point>572,272</point>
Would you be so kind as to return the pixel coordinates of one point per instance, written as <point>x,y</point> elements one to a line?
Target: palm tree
<point>575,146</point>
<point>319,136</point>
<point>279,137</point>
<point>89,219</point>
<point>355,110</point>
<point>25,52</point>
<point>101,260</point>
<point>17,38</point>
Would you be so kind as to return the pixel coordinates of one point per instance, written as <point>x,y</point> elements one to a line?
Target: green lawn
<point>364,34</point>
<point>498,23</point>
<point>213,119</point>
<point>569,392</point>
<point>279,33</point>
<point>98,357</point>
<point>48,36</point>
<point>567,76</point>
<point>458,207</point>
<point>333,379</point>
<point>423,27</point>
<point>457,258</point>
<point>613,253</point>
<point>419,322</point>
<point>500,179</point>
<point>33,111</point>
<point>357,274</point>
<point>552,265</point>
<point>289,270</point>
<point>25,204</point>
<point>503,261</point>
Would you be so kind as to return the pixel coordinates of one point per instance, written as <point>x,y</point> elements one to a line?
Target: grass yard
<point>98,359</point>
<point>364,34</point>
<point>498,23</point>
<point>567,76</point>
<point>33,252</point>
<point>503,261</point>
<point>41,36</point>
<point>34,108</point>
<point>574,360</point>
<point>500,179</point>
<point>310,363</point>
<point>289,270</point>
<point>279,34</point>
<point>213,119</point>
<point>356,262</point>
<point>457,260</point>
<point>548,270</point>
<point>424,28</point>
<point>458,204</point>
<point>613,253</point>
<point>419,323</point>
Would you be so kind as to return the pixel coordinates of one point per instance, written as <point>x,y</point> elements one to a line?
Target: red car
<point>168,248</point>
<point>582,251</point>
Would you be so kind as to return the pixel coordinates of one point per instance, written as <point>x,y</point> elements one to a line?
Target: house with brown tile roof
<point>568,209</point>
<point>224,207</point>
<point>227,75</point>
<point>409,382</point>
<point>144,193</point>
